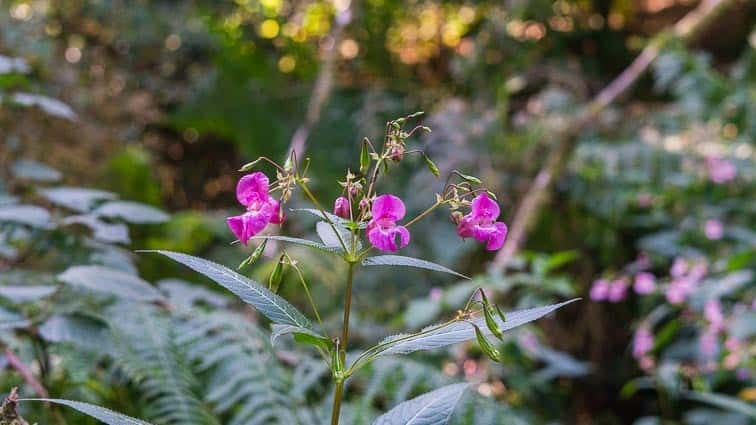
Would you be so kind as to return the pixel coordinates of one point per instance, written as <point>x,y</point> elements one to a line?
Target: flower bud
<point>342,207</point>
<point>364,204</point>
<point>396,153</point>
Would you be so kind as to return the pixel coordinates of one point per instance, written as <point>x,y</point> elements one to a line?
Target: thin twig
<point>528,211</point>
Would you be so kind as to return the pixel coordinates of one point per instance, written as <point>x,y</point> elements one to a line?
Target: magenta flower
<point>382,230</point>
<point>617,291</point>
<point>600,290</point>
<point>252,192</point>
<point>481,223</point>
<point>713,314</point>
<point>342,207</point>
<point>643,342</point>
<point>720,170</point>
<point>645,283</point>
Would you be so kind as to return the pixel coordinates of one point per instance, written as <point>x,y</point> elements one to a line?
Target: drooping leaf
<point>457,332</point>
<point>398,260</point>
<point>76,198</point>
<point>100,413</point>
<point>27,169</point>
<point>433,408</point>
<point>29,215</point>
<point>132,212</point>
<point>723,402</point>
<point>266,302</point>
<point>21,293</point>
<point>110,281</point>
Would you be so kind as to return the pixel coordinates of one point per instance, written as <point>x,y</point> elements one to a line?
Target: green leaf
<point>132,212</point>
<point>304,335</point>
<point>434,337</point>
<point>486,346</point>
<point>433,408</point>
<point>266,302</point>
<point>398,260</point>
<point>364,157</point>
<point>11,320</point>
<point>723,402</point>
<point>20,294</point>
<point>277,276</point>
<point>82,331</point>
<point>76,198</point>
<point>431,165</point>
<point>101,230</point>
<point>298,241</point>
<point>256,254</point>
<point>29,215</point>
<point>110,281</point>
<point>100,413</point>
<point>27,169</point>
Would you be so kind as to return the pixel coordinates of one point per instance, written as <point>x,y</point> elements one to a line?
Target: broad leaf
<point>110,281</point>
<point>101,230</point>
<point>266,302</point>
<point>724,402</point>
<point>82,331</point>
<point>132,212</point>
<point>27,169</point>
<point>20,294</point>
<point>457,332</point>
<point>76,198</point>
<point>29,215</point>
<point>433,408</point>
<point>398,260</point>
<point>100,413</point>
<point>328,235</point>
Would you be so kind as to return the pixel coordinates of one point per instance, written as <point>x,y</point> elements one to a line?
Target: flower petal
<point>386,238</point>
<point>278,216</point>
<point>465,227</point>
<point>484,207</point>
<point>252,187</point>
<point>388,206</point>
<point>493,234</point>
<point>247,225</point>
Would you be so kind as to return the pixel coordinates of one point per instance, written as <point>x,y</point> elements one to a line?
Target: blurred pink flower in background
<point>713,314</point>
<point>679,267</point>
<point>708,343</point>
<point>617,291</point>
<point>645,283</point>
<point>599,290</point>
<point>720,170</point>
<point>643,342</point>
<point>713,229</point>
<point>435,293</point>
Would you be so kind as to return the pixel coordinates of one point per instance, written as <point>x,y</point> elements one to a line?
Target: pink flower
<point>252,192</point>
<point>713,314</point>
<point>617,291</point>
<point>679,267</point>
<point>382,230</point>
<point>435,294</point>
<point>678,291</point>
<point>643,342</point>
<point>697,272</point>
<point>720,170</point>
<point>600,290</point>
<point>645,283</point>
<point>709,343</point>
<point>342,207</point>
<point>481,223</point>
<point>713,229</point>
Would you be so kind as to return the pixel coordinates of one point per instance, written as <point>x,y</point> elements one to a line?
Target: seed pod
<point>501,314</point>
<point>431,166</point>
<point>488,312</point>
<point>256,254</point>
<point>486,346</point>
<point>396,153</point>
<point>277,276</point>
<point>469,179</point>
<point>364,157</point>
<point>248,166</point>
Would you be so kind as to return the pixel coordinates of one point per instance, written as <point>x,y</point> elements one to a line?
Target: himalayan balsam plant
<point>364,228</point>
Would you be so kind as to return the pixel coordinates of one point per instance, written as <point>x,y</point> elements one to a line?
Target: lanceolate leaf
<point>298,241</point>
<point>398,260</point>
<point>76,198</point>
<point>266,302</point>
<point>100,413</point>
<point>457,332</point>
<point>111,281</point>
<point>132,212</point>
<point>433,408</point>
<point>308,335</point>
<point>724,402</point>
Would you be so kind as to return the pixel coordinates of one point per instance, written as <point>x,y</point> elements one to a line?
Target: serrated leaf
<point>132,212</point>
<point>457,332</point>
<point>20,293</point>
<point>110,281</point>
<point>433,408</point>
<point>29,215</point>
<point>398,260</point>
<point>27,169</point>
<point>76,198</point>
<point>279,330</point>
<point>100,413</point>
<point>266,302</point>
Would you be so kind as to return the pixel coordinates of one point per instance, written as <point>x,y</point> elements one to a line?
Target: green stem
<point>314,200</point>
<point>339,391</point>
<point>423,214</point>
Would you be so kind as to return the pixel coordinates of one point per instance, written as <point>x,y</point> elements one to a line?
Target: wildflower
<point>713,314</point>
<point>643,342</point>
<point>342,207</point>
<point>720,170</point>
<point>252,192</point>
<point>599,290</point>
<point>382,230</point>
<point>617,291</point>
<point>678,291</point>
<point>679,267</point>
<point>713,229</point>
<point>481,223</point>
<point>645,283</point>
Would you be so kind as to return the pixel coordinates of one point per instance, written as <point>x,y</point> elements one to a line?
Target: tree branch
<point>528,211</point>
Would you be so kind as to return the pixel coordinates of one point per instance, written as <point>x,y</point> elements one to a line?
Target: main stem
<point>339,391</point>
